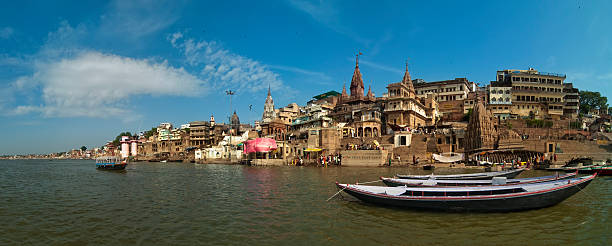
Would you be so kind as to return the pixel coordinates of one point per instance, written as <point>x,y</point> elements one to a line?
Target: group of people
<point>361,147</point>
<point>335,159</point>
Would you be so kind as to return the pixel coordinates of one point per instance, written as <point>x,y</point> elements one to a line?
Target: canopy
<point>260,145</point>
<point>312,150</point>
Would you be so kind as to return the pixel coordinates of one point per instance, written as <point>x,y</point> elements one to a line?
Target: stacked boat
<point>487,192</point>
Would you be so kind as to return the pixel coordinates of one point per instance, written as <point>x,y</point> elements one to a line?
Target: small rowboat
<point>110,163</point>
<point>600,170</point>
<point>495,181</point>
<point>488,175</point>
<point>482,198</point>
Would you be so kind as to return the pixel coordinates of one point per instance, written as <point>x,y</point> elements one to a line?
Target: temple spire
<point>407,80</point>
<point>370,95</point>
<point>269,94</point>
<point>344,94</point>
<point>357,88</point>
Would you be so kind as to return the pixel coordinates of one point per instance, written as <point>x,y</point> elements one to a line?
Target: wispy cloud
<point>223,68</point>
<point>319,75</point>
<point>6,32</point>
<point>378,66</point>
<point>326,13</point>
<point>136,19</point>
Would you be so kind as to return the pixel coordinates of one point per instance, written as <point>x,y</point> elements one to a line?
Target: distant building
<point>449,94</point>
<point>403,108</point>
<point>538,94</point>
<point>500,99</point>
<point>361,112</point>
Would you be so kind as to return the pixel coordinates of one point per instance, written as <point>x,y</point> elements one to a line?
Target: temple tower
<point>268,115</point>
<point>357,88</point>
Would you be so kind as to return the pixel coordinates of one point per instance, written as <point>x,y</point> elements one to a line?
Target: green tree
<point>83,148</point>
<point>118,138</point>
<point>151,132</point>
<point>466,116</point>
<point>590,100</point>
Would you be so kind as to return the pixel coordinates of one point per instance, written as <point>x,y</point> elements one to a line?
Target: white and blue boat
<point>110,163</point>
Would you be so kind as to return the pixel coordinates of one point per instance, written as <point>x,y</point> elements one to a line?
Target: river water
<point>69,202</point>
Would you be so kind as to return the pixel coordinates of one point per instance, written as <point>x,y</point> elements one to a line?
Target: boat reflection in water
<point>478,198</point>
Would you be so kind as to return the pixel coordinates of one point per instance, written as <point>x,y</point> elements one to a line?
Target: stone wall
<point>364,158</point>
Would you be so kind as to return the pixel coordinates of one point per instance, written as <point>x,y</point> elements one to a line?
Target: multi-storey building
<point>447,90</point>
<point>402,106</point>
<point>500,99</point>
<point>572,100</point>
<point>536,94</point>
<point>200,133</point>
<point>288,113</point>
<point>449,94</point>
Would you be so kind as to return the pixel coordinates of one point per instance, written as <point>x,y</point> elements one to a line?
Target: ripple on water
<point>71,203</point>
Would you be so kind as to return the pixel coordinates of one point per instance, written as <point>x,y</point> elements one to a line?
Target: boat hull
<point>112,167</point>
<point>405,182</point>
<point>510,175</point>
<point>495,204</point>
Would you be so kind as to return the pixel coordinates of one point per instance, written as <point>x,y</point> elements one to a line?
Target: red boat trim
<point>473,197</point>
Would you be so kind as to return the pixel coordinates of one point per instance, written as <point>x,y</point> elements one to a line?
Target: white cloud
<point>6,32</point>
<point>224,69</point>
<point>94,84</point>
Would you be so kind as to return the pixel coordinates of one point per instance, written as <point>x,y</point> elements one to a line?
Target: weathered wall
<point>364,158</point>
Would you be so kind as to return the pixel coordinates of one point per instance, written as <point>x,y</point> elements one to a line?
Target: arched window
<point>507,99</point>
<point>493,99</point>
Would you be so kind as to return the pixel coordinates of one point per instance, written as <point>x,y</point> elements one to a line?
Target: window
<point>493,99</point>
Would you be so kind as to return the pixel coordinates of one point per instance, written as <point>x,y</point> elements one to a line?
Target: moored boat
<point>484,198</point>
<point>110,163</point>
<point>486,175</point>
<point>495,181</point>
<point>600,170</point>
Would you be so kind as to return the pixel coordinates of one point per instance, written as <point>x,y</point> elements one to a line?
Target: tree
<point>118,138</point>
<point>83,148</point>
<point>466,116</point>
<point>150,133</point>
<point>590,100</point>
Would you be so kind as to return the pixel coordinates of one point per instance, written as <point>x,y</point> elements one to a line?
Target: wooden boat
<point>110,163</point>
<point>601,170</point>
<point>495,181</point>
<point>573,164</point>
<point>605,171</point>
<point>429,167</point>
<point>482,198</point>
<point>487,175</point>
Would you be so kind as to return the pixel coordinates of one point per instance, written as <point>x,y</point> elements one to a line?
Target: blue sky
<point>77,73</point>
